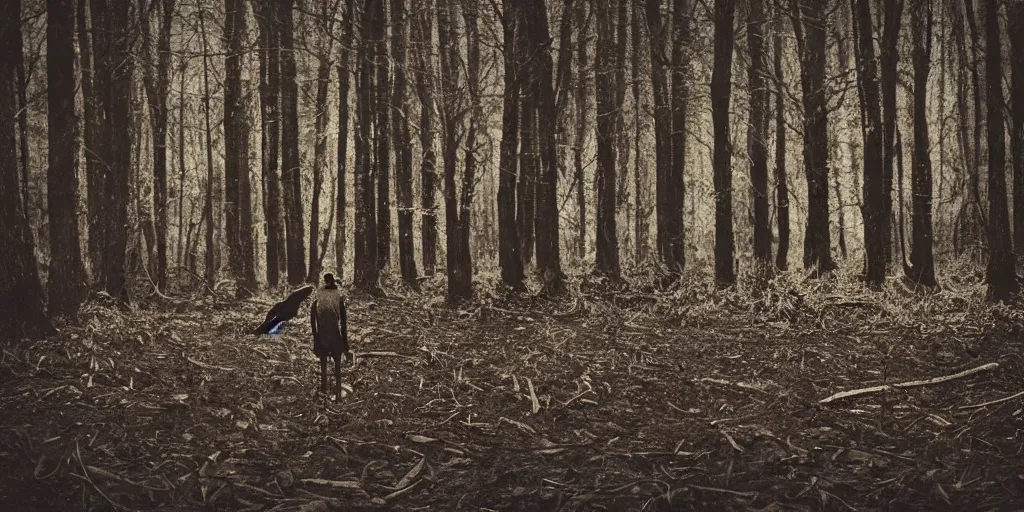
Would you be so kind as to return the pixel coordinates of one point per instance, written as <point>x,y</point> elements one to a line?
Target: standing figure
<point>328,321</point>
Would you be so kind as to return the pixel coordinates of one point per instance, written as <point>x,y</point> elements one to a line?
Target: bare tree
<point>382,137</point>
<point>781,182</point>
<point>509,246</point>
<point>757,132</point>
<point>366,271</point>
<point>344,73</point>
<point>403,144</point>
<point>607,236</point>
<point>238,211</point>
<point>291,167</point>
<point>270,120</point>
<point>422,37</point>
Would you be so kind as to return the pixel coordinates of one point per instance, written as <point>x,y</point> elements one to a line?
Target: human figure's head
<point>329,280</point>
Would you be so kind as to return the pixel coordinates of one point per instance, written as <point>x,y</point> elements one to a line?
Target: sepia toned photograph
<point>512,255</point>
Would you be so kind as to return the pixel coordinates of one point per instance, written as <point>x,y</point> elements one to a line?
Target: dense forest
<point>816,166</point>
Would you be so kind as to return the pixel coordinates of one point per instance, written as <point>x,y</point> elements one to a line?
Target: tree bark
<point>403,145</point>
<point>366,272</point>
<point>607,111</point>
<point>236,155</point>
<point>582,85</point>
<point>344,74</point>
<point>509,246</point>
<point>382,138</point>
<point>781,184</point>
<point>757,133</point>
<point>25,314</point>
<point>721,91</point>
<point>422,35</point>
<point>113,35</point>
<point>270,120</point>
<point>639,175</point>
<point>1002,276</point>
<point>67,273</point>
<point>809,25</point>
<point>675,179</point>
<point>93,177</point>
<point>1015,12</point>
<point>291,170</point>
<point>325,25</point>
<point>209,261</point>
<point>662,130</point>
<point>873,210</point>
<point>893,11</point>
<point>549,264</point>
<point>922,262</point>
<point>156,78</point>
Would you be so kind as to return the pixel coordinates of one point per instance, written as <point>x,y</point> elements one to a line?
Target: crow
<point>329,323</point>
<point>284,311</point>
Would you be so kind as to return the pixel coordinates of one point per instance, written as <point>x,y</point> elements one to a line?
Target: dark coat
<point>328,321</point>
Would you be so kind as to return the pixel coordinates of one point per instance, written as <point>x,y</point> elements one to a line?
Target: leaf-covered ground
<point>684,400</point>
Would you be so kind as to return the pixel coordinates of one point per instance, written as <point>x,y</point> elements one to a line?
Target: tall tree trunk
<point>270,120</point>
<point>721,92</point>
<point>210,259</point>
<point>25,316</point>
<point>325,25</point>
<point>156,78</point>
<point>873,210</point>
<point>67,273</point>
<point>607,111</point>
<point>1002,277</point>
<point>974,170</point>
<point>23,136</point>
<point>403,146</point>
<point>922,263</point>
<point>236,156</point>
<point>757,133</point>
<point>460,285</point>
<point>1015,11</point>
<point>549,264</point>
<point>366,272</point>
<point>291,169</point>
<point>662,131</point>
<point>382,139</point>
<point>113,36</point>
<point>582,85</point>
<point>526,209</point>
<point>640,215</point>
<point>675,178</point>
<point>93,182</point>
<point>781,184</point>
<point>344,72</point>
<point>622,153</point>
<point>509,247</point>
<point>893,11</point>
<point>422,35</point>
<point>809,25</point>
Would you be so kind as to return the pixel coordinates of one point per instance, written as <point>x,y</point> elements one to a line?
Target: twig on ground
<point>992,402</point>
<point>908,384</point>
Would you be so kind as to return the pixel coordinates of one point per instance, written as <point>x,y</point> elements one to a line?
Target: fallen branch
<point>909,384</point>
<point>992,402</point>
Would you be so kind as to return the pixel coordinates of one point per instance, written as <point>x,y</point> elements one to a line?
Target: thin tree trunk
<point>366,272</point>
<point>781,184</point>
<point>382,140</point>
<point>1002,277</point>
<point>422,32</point>
<point>758,132</point>
<point>721,92</point>
<point>582,85</point>
<point>662,131</point>
<point>67,273</point>
<point>403,146</point>
<point>26,316</point>
<point>93,178</point>
<point>344,72</point>
<point>607,236</point>
<point>509,246</point>
<point>270,120</point>
<point>526,209</point>
<point>210,258</point>
<point>326,25</point>
<point>181,163</point>
<point>291,170</point>
<point>23,136</point>
<point>640,215</point>
<point>809,25</point>
<point>873,209</point>
<point>893,11</point>
<point>236,156</point>
<point>922,263</point>
<point>675,201</point>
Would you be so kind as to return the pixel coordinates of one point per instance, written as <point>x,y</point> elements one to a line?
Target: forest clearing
<point>755,255</point>
<point>684,400</point>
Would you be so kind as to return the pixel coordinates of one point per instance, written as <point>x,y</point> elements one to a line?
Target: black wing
<point>284,311</point>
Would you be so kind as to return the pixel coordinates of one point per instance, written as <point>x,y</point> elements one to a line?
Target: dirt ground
<point>595,402</point>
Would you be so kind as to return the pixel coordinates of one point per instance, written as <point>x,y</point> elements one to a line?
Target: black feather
<point>284,311</point>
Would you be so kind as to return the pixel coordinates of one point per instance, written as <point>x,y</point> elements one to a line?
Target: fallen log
<point>909,384</point>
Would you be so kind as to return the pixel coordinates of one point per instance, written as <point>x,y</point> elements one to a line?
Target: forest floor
<point>690,399</point>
